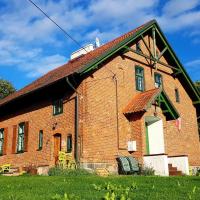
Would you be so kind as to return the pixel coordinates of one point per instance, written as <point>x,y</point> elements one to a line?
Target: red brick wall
<point>100,132</point>
<point>103,128</point>
<point>39,119</point>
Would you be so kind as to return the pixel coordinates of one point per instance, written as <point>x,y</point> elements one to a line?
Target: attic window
<point>138,48</point>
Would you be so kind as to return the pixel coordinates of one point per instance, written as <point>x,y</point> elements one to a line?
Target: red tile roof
<point>68,68</point>
<point>141,102</point>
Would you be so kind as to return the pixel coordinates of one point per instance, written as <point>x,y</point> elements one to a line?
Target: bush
<point>58,171</point>
<point>147,171</point>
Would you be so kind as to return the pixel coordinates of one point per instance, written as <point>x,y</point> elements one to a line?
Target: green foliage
<point>147,171</point>
<point>115,192</point>
<point>65,197</point>
<point>58,171</point>
<point>6,88</point>
<point>97,188</point>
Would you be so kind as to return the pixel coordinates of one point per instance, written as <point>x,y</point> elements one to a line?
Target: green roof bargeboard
<point>152,24</point>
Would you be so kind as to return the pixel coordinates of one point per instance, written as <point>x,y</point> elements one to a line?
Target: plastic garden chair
<point>134,165</point>
<point>124,166</point>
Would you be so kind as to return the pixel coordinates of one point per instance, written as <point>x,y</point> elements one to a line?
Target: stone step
<point>172,168</point>
<point>175,173</point>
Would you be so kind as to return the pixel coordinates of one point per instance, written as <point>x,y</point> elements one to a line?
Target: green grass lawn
<point>41,187</point>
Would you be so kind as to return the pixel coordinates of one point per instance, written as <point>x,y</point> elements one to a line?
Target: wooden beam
<point>147,46</point>
<point>165,111</point>
<point>148,57</point>
<point>196,102</point>
<point>161,54</point>
<point>154,46</point>
<point>176,73</point>
<point>139,53</point>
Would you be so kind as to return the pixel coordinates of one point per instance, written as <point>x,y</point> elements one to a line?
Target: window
<point>158,80</point>
<point>1,141</point>
<point>177,95</point>
<point>58,107</point>
<point>139,78</point>
<point>69,143</point>
<point>40,144</point>
<point>20,143</point>
<point>138,49</point>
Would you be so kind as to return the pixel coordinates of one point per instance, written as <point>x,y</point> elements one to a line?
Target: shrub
<point>147,171</point>
<point>57,171</point>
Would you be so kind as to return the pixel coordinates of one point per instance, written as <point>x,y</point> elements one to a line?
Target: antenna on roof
<point>97,42</point>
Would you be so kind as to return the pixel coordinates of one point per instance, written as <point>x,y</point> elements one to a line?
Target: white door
<point>155,137</point>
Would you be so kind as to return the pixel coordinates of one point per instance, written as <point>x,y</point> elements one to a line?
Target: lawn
<point>54,187</point>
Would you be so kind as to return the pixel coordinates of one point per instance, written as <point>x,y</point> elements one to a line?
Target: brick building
<point>132,91</point>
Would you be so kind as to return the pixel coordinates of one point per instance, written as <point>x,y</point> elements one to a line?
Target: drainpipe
<point>117,113</point>
<point>76,119</point>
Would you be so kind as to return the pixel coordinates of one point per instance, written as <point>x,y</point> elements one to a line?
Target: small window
<point>158,80</point>
<point>138,48</point>
<point>177,95</point>
<point>40,144</point>
<point>58,107</point>
<point>139,78</point>
<point>1,141</point>
<point>20,144</point>
<point>69,143</point>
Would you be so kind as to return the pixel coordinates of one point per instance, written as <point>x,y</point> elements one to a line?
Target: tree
<point>6,88</point>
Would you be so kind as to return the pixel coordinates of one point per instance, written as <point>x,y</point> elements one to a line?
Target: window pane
<point>1,147</point>
<point>158,80</point>
<point>58,107</point>
<point>69,143</point>
<point>40,139</point>
<point>20,145</point>
<point>139,77</point>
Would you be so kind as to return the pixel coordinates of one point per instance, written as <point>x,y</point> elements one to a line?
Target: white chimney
<point>82,51</point>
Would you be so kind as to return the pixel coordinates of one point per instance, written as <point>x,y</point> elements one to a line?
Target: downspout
<point>117,113</point>
<point>76,119</point>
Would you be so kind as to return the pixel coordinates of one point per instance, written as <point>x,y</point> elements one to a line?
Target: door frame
<point>56,135</point>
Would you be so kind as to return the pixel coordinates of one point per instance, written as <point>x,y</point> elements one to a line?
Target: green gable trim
<point>167,107</point>
<point>95,62</point>
<point>173,54</point>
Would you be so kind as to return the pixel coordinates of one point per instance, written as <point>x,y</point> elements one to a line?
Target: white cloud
<point>29,41</point>
<point>176,7</point>
<point>193,63</point>
<point>193,68</point>
<point>46,64</point>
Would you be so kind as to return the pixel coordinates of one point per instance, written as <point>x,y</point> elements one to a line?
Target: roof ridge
<point>70,67</point>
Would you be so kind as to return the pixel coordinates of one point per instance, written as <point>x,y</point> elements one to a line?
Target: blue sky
<point>30,45</point>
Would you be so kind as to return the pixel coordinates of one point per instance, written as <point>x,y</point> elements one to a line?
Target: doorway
<point>57,146</point>
<point>154,136</point>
